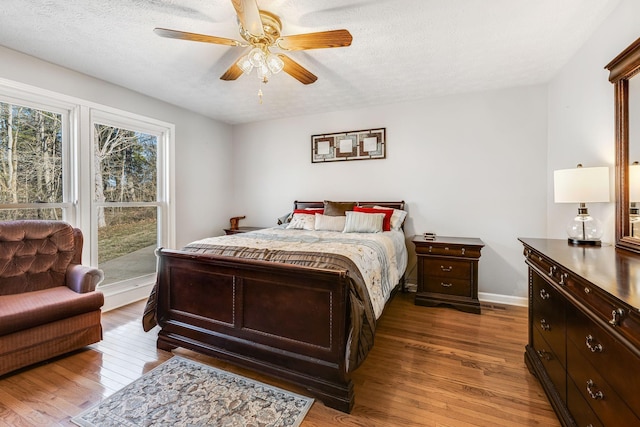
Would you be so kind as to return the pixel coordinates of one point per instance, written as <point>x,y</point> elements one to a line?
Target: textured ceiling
<point>401,49</point>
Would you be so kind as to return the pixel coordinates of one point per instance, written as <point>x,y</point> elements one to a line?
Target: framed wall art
<point>353,145</point>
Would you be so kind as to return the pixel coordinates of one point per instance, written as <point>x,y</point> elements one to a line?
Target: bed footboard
<point>283,320</point>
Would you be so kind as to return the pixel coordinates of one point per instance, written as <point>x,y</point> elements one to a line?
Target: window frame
<point>163,137</point>
<point>77,148</point>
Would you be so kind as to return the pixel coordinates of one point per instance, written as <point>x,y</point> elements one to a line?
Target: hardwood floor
<point>429,367</point>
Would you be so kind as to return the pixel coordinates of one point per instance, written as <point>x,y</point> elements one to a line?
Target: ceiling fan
<point>261,30</point>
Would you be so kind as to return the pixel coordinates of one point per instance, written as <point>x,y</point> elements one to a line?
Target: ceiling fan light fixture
<point>274,63</point>
<point>257,57</point>
<point>245,64</point>
<point>263,72</point>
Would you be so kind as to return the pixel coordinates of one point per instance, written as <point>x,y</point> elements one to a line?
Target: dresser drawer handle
<point>596,395</point>
<point>446,285</point>
<point>552,270</point>
<point>616,317</point>
<point>594,348</point>
<point>542,354</point>
<point>544,294</point>
<point>443,268</point>
<point>544,325</point>
<point>563,277</point>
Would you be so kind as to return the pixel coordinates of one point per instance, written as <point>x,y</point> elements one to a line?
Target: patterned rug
<point>182,392</point>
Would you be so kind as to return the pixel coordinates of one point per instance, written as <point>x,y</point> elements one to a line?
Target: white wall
<point>202,146</point>
<point>467,165</point>
<point>581,114</point>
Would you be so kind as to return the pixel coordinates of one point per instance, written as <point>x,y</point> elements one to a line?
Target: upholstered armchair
<point>48,300</point>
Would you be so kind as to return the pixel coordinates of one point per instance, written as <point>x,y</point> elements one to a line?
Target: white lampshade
<point>581,185</point>
<point>634,182</point>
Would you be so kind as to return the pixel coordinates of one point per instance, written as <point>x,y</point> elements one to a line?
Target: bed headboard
<point>303,205</point>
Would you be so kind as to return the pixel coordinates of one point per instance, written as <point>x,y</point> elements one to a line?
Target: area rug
<point>182,392</point>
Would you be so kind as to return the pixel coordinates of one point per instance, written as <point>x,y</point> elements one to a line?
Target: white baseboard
<point>503,299</point>
<point>487,297</point>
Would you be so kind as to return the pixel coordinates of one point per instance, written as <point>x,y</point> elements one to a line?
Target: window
<point>127,201</point>
<point>102,170</point>
<point>34,172</point>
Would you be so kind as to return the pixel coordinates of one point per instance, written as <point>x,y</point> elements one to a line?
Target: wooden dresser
<point>448,272</point>
<point>584,331</point>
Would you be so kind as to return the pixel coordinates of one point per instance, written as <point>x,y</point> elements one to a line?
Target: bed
<point>293,303</point>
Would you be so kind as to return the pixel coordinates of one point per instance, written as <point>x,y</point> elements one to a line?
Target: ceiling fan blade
<point>297,71</point>
<point>249,16</point>
<point>182,35</point>
<point>233,72</point>
<point>320,40</point>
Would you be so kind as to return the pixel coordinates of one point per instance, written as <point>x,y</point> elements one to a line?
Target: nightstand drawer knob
<point>443,268</point>
<point>446,285</point>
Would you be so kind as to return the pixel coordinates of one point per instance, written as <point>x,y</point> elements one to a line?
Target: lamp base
<point>580,242</point>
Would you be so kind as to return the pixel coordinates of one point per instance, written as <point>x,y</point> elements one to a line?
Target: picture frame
<point>366,144</point>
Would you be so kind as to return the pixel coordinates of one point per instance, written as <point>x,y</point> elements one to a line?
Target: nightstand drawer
<point>449,286</point>
<point>437,248</point>
<point>448,268</point>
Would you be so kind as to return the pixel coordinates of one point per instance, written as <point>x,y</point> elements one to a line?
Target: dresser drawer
<point>625,320</point>
<point>546,266</point>
<point>579,408</point>
<point>548,316</point>
<point>597,392</point>
<point>448,268</point>
<point>448,286</point>
<point>551,363</point>
<point>606,355</point>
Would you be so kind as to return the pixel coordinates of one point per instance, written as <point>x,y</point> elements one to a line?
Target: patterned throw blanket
<point>370,263</point>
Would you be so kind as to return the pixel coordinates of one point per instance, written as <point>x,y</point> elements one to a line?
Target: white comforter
<point>380,257</point>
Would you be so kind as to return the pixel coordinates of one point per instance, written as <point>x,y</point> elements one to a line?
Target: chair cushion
<point>23,311</point>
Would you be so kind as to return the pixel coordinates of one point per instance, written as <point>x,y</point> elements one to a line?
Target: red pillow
<point>310,211</point>
<point>386,222</point>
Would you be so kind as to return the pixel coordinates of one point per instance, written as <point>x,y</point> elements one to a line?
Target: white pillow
<point>397,218</point>
<point>302,222</point>
<point>330,223</point>
<point>360,222</point>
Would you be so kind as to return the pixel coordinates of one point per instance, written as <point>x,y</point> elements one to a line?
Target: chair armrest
<point>82,279</point>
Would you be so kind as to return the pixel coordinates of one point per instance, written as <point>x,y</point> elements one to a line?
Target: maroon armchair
<point>48,300</point>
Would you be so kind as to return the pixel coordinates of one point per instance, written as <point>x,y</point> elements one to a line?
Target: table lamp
<point>582,185</point>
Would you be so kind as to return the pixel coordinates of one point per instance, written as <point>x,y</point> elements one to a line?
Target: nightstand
<point>241,230</point>
<point>448,272</point>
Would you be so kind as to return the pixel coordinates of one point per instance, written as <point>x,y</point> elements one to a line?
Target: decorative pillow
<point>302,222</point>
<point>330,223</point>
<point>337,208</point>
<point>360,222</point>
<point>397,219</point>
<point>284,219</point>
<point>386,224</point>
<point>309,211</point>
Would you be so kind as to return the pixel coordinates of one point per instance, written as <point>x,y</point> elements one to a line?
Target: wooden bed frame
<point>250,313</point>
